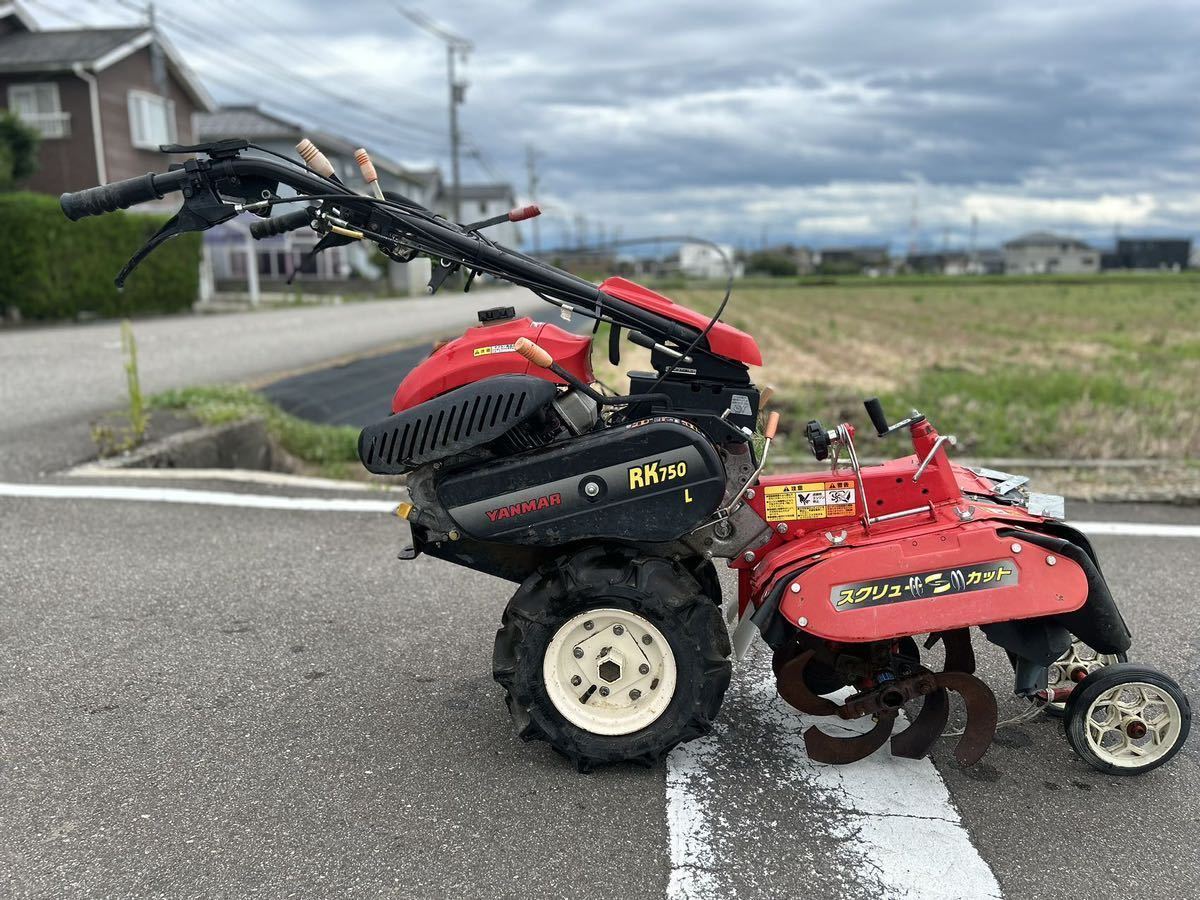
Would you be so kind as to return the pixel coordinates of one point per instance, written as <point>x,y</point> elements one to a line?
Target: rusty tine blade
<point>825,748</point>
<point>791,687</point>
<point>981,715</point>
<point>960,655</point>
<point>916,740</point>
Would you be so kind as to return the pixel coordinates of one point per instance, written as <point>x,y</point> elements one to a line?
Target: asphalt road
<point>226,702</point>
<point>55,380</point>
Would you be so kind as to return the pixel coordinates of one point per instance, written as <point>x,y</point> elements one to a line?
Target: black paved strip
<point>357,393</point>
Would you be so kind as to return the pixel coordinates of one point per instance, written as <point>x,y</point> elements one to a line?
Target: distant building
<point>1149,253</point>
<point>103,99</point>
<point>703,261</point>
<point>1043,253</point>
<point>854,260</point>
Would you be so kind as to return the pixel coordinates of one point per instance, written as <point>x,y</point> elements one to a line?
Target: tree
<point>18,151</point>
<point>774,263</point>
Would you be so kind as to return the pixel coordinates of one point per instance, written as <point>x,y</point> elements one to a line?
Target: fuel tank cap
<point>496,314</point>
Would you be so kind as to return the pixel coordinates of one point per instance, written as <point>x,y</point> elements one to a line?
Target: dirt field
<point>1104,368</point>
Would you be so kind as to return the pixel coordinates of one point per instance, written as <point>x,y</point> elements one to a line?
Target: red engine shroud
<point>487,350</point>
<point>723,340</point>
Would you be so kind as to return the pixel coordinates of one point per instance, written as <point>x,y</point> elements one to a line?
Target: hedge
<point>53,268</point>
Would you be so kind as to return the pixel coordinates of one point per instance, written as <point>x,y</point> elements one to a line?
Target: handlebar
<point>224,184</point>
<point>120,194</point>
<point>265,228</point>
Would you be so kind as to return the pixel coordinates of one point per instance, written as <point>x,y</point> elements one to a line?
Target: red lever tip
<point>524,212</point>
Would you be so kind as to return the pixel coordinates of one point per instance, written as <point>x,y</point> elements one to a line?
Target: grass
<point>1082,367</point>
<point>332,449</point>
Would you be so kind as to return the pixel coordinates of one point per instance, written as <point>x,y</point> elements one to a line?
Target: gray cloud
<point>819,122</point>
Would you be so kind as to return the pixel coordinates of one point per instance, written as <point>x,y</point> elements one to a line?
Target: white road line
<point>244,476</point>
<point>882,827</point>
<point>202,498</point>
<point>261,501</point>
<point>1138,529</point>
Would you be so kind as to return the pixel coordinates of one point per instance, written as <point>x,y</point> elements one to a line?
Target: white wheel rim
<point>1132,725</point>
<point>1064,671</point>
<point>609,671</point>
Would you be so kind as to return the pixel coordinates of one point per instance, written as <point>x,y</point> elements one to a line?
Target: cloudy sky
<point>810,122</point>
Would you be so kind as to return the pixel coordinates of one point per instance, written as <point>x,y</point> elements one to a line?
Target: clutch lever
<point>201,210</point>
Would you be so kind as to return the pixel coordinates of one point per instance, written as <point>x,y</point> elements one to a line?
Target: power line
<point>199,33</point>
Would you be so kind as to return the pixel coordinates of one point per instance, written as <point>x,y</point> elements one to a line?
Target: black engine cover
<point>652,480</point>
<point>458,420</point>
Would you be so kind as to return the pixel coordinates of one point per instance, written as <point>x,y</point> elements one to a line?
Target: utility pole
<point>158,66</point>
<point>455,46</point>
<point>531,169</point>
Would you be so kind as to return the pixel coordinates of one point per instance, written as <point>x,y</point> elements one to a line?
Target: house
<point>229,246</point>
<point>1042,253</point>
<point>704,261</point>
<point>867,259</point>
<point>103,99</point>
<point>1149,253</point>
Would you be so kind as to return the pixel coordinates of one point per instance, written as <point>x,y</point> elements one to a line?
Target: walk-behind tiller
<point>608,512</point>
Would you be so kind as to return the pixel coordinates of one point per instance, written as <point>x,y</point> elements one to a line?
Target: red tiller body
<point>488,350</point>
<point>939,565</point>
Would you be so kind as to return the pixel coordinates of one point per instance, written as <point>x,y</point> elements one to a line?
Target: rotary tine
<point>826,748</point>
<point>792,688</point>
<point>917,739</point>
<point>981,715</point>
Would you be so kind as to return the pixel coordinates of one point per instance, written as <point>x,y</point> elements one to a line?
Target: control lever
<point>370,176</point>
<point>879,420</point>
<point>202,209</point>
<point>517,214</point>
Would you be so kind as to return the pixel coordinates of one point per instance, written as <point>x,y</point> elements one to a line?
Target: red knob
<point>521,213</point>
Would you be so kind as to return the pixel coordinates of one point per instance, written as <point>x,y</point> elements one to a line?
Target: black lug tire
<point>1082,697</point>
<point>668,596</point>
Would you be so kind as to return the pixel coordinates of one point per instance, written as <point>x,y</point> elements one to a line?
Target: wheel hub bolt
<point>646,639</point>
<point>603,692</point>
<point>644,669</point>
<point>578,651</point>
<point>618,629</point>
<point>1136,729</point>
<point>589,625</point>
<point>634,694</point>
<point>576,680</point>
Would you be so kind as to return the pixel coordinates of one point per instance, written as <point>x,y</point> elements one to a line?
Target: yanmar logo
<point>525,506</point>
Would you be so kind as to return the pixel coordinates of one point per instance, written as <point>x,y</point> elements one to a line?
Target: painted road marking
<point>202,498</point>
<point>243,476</point>
<point>884,827</point>
<point>314,504</point>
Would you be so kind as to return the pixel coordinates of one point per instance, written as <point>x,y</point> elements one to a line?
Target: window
<point>38,105</point>
<point>151,120</point>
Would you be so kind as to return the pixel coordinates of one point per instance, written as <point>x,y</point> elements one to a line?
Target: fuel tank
<point>486,351</point>
<point>648,481</point>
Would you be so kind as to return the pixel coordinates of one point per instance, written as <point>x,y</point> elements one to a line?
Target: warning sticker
<point>811,500</point>
<point>495,348</point>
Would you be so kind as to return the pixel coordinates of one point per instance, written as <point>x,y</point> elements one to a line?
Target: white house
<point>703,261</point>
<point>1043,253</point>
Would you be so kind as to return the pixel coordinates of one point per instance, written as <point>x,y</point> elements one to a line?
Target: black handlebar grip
<point>878,419</point>
<point>265,228</point>
<point>119,195</point>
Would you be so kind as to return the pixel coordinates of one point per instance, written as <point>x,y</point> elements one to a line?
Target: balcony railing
<point>49,125</point>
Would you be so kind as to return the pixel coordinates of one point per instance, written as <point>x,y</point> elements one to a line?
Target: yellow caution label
<point>496,348</point>
<point>809,500</point>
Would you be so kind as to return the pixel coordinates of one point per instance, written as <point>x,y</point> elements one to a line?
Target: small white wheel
<point>1127,719</point>
<point>609,671</point>
<point>1077,663</point>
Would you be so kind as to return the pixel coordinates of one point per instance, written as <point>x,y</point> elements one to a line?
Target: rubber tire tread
<point>668,596</point>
